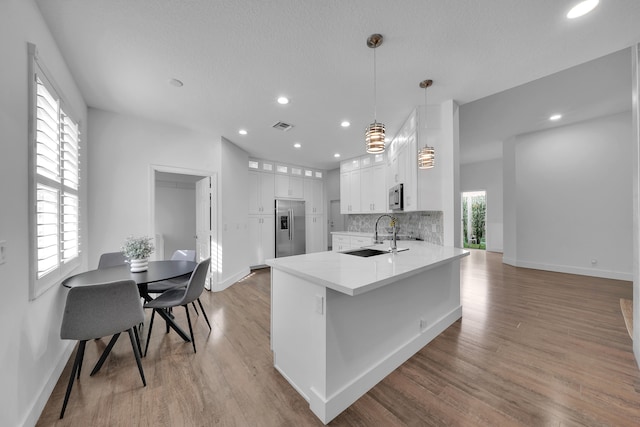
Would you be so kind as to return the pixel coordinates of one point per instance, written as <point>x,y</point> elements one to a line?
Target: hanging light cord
<point>375,94</point>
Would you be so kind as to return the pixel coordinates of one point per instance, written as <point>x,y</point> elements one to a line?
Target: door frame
<point>214,201</point>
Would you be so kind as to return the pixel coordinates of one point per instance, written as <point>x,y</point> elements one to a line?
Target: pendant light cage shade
<point>426,158</point>
<point>375,133</point>
<point>374,138</point>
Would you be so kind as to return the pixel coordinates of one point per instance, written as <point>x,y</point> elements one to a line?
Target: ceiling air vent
<point>282,126</point>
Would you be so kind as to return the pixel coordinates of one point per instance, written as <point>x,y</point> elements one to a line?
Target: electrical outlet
<point>3,251</point>
<point>423,325</point>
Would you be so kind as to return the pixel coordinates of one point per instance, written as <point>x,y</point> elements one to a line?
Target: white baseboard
<point>593,272</point>
<point>328,408</point>
<point>225,283</point>
<point>38,405</point>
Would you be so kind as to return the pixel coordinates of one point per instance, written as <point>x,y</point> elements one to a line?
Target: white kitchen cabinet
<point>261,193</point>
<point>261,239</point>
<point>290,187</point>
<point>340,243</point>
<point>314,233</point>
<point>373,189</point>
<point>313,196</point>
<point>344,242</point>
<point>350,192</point>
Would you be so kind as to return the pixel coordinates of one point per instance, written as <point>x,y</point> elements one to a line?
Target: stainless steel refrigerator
<point>290,228</point>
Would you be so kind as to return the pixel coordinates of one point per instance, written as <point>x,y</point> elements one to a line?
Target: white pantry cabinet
<point>261,239</point>
<point>261,193</point>
<point>313,196</point>
<point>314,233</point>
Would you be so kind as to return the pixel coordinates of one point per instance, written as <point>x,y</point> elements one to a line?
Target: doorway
<point>183,214</point>
<point>336,220</point>
<point>474,219</point>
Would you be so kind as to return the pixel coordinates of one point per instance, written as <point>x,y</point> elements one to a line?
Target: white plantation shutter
<point>56,183</point>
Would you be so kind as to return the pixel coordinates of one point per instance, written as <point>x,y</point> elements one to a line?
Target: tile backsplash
<point>425,225</point>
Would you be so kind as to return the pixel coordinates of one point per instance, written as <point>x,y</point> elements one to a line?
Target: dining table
<point>157,271</point>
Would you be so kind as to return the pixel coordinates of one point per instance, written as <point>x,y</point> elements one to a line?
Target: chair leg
<point>105,353</point>
<point>135,332</point>
<point>146,347</point>
<point>136,351</point>
<point>76,364</point>
<point>204,313</point>
<point>194,307</point>
<point>81,348</point>
<point>193,341</point>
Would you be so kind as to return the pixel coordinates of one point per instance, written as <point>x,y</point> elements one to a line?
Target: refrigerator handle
<point>291,224</point>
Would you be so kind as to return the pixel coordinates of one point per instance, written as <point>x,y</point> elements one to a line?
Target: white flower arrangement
<point>137,247</point>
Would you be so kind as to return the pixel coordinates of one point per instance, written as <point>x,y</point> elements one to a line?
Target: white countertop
<point>353,275</point>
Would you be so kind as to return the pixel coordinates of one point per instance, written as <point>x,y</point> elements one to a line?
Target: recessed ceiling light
<point>555,117</point>
<point>283,100</point>
<point>336,155</point>
<point>582,8</point>
<point>242,132</point>
<point>345,124</point>
<point>297,145</point>
<point>176,83</point>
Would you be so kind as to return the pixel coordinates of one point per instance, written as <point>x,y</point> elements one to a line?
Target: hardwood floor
<point>533,348</point>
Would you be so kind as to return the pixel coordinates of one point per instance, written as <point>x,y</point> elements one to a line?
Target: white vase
<point>139,265</point>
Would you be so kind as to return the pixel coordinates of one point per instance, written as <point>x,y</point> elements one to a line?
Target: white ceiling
<point>236,56</point>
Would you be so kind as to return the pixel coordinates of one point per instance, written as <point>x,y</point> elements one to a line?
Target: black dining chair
<point>111,259</point>
<point>100,310</point>
<point>181,297</point>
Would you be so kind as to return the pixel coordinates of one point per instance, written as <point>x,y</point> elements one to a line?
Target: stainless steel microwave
<point>396,198</point>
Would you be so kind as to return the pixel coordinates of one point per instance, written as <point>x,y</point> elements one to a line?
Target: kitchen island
<point>341,323</point>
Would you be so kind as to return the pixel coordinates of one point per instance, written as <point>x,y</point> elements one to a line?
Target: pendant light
<point>426,155</point>
<point>374,135</point>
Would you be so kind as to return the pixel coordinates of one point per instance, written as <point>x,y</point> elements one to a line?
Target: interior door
<point>204,224</point>
<point>336,220</point>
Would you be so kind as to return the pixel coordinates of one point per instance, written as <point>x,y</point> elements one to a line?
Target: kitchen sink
<point>367,252</point>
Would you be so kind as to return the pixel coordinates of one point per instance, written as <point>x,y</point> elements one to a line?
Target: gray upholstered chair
<point>181,297</point>
<point>178,282</point>
<point>100,310</point>
<point>111,259</point>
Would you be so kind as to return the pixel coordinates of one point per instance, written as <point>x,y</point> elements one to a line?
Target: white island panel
<point>333,346</point>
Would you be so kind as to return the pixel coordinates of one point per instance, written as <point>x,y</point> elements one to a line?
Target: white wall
<point>572,204</point>
<point>175,216</point>
<point>487,176</point>
<point>121,153</point>
<point>636,199</point>
<point>32,354</point>
<point>233,212</point>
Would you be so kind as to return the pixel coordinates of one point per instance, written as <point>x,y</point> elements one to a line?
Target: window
<point>54,182</point>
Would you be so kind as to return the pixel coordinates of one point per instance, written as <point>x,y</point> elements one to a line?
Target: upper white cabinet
<point>290,187</point>
<point>261,193</point>
<point>373,189</point>
<point>313,196</point>
<point>422,188</point>
<point>362,185</point>
<point>350,192</point>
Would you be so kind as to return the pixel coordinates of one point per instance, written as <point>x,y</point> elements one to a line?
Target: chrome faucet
<point>394,222</point>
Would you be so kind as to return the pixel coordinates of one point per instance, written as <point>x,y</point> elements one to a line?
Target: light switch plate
<point>319,304</point>
<point>3,251</point>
